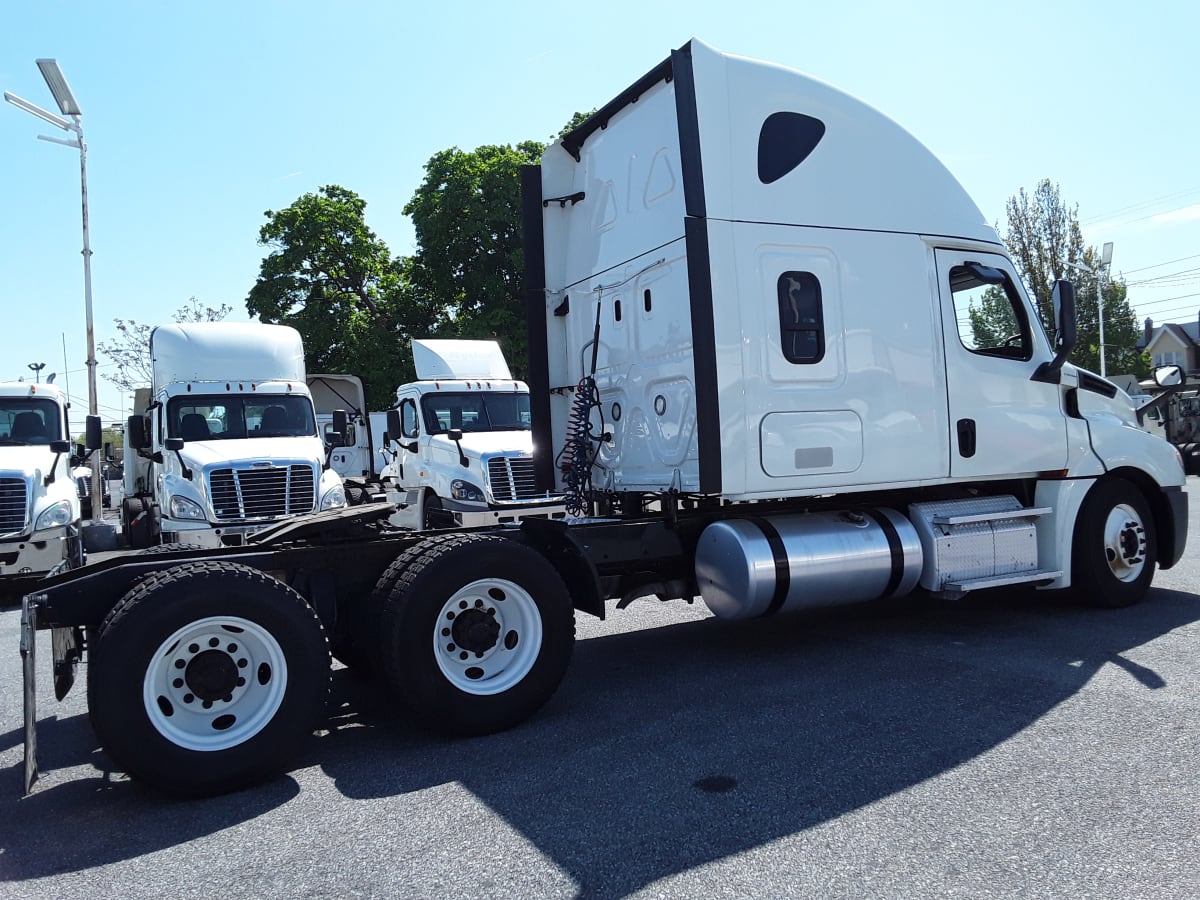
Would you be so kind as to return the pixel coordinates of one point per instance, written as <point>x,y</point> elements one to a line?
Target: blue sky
<point>200,117</point>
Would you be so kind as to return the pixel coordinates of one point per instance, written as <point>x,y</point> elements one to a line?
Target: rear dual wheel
<point>476,632</point>
<point>205,677</point>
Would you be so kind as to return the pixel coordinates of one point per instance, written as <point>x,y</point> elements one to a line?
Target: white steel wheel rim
<point>214,683</point>
<point>488,636</point>
<point>1125,542</point>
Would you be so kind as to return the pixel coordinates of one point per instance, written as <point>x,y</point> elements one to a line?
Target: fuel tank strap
<point>783,573</point>
<point>895,546</point>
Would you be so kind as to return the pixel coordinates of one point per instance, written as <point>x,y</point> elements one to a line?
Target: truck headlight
<point>54,516</point>
<point>183,508</point>
<point>464,490</point>
<point>334,498</point>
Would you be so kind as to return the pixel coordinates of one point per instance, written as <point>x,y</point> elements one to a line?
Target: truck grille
<point>12,506</point>
<point>242,494</point>
<point>511,478</point>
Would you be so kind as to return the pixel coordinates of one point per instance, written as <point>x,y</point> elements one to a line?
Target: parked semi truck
<point>39,507</point>
<point>357,459</point>
<point>461,442</point>
<point>749,374</point>
<point>225,441</point>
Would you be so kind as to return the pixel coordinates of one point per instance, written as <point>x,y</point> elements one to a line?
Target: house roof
<point>1186,334</point>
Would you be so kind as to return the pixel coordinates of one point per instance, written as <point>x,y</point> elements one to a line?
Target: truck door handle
<point>966,438</point>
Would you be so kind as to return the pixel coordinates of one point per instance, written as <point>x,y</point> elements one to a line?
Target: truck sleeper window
<point>801,323</point>
<point>221,417</point>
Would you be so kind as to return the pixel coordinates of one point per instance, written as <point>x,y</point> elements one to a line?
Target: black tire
<point>139,523</point>
<point>355,495</point>
<point>360,646</point>
<point>228,734</point>
<point>1115,546</point>
<point>510,614</point>
<point>432,512</point>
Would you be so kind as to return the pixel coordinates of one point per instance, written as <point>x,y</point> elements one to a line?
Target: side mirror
<point>393,423</point>
<point>337,437</point>
<point>455,434</point>
<point>93,433</point>
<point>58,448</point>
<point>135,433</point>
<point>1168,376</point>
<point>1065,334</point>
<point>1064,317</point>
<point>176,444</point>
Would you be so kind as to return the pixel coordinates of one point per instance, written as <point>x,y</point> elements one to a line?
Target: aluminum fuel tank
<point>758,566</point>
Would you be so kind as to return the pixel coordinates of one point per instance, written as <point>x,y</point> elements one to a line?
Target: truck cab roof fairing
<point>862,171</point>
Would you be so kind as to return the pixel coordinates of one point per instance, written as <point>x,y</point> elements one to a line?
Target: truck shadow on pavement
<point>671,748</point>
<point>664,749</point>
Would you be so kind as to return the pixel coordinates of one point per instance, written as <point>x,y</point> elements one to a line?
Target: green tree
<point>1046,244</point>
<point>130,349</point>
<point>332,279</point>
<point>469,264</point>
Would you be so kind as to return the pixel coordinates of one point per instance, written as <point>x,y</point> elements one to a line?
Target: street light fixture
<point>36,368</point>
<point>68,106</point>
<point>1100,273</point>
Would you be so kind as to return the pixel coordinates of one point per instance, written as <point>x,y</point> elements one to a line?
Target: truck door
<point>1002,422</point>
<point>409,443</point>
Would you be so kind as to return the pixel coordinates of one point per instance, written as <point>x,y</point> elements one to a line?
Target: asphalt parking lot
<point>1007,745</point>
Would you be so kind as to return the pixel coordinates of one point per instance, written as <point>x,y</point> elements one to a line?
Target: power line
<point>1157,265</point>
<point>1145,203</point>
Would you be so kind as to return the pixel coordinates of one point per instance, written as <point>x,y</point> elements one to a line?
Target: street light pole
<point>1098,273</point>
<point>68,106</point>
<point>1105,262</point>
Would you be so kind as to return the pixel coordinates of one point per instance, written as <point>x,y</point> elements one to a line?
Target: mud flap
<point>67,644</point>
<point>29,666</point>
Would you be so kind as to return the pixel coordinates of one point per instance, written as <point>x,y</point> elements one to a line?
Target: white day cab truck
<point>224,442</point>
<point>749,375</point>
<point>340,401</point>
<point>40,526</point>
<point>461,443</point>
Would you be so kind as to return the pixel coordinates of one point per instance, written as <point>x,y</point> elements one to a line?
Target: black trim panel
<point>534,247</point>
<point>1096,385</point>
<point>574,140</point>
<point>704,355</point>
<point>1170,551</point>
<point>690,163</point>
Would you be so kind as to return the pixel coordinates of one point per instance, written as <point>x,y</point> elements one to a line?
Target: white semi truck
<point>39,506</point>
<point>461,442</point>
<point>225,440</point>
<point>340,401</point>
<point>748,371</point>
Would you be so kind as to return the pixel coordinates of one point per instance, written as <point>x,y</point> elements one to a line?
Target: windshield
<point>475,412</point>
<point>29,420</point>
<point>222,417</point>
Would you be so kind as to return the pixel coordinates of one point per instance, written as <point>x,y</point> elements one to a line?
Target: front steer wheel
<point>476,634</point>
<point>1115,546</point>
<point>205,677</point>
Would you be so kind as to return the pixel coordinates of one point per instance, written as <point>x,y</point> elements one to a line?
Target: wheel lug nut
<point>177,683</point>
